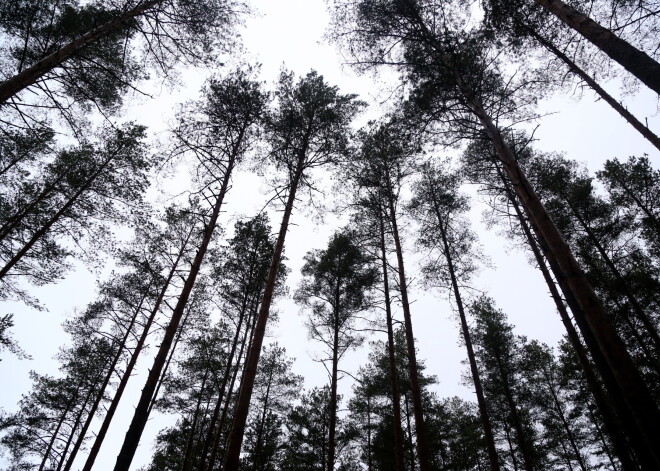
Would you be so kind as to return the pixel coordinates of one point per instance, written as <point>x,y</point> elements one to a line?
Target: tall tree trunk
<point>51,442</point>
<point>247,382</point>
<point>521,436</point>
<point>512,452</point>
<point>333,386</point>
<point>249,330</point>
<point>632,385</point>
<point>609,99</point>
<point>191,438</point>
<point>394,376</point>
<point>418,408</point>
<point>262,422</point>
<point>637,62</point>
<point>481,400</point>
<point>100,436</point>
<point>106,380</point>
<point>141,412</point>
<point>74,427</point>
<point>32,74</point>
<point>221,394</point>
<point>622,285</point>
<point>602,401</point>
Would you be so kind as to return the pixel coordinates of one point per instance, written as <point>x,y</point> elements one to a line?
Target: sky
<point>288,34</point>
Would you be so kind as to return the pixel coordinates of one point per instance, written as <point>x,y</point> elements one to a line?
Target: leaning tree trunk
<point>106,380</point>
<point>100,436</point>
<point>247,382</point>
<point>394,376</point>
<point>637,62</point>
<point>610,344</point>
<point>423,454</point>
<point>31,75</point>
<point>141,412</point>
<point>609,99</point>
<point>602,402</point>
<point>481,400</point>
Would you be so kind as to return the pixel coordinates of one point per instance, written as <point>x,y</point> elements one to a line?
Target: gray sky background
<point>288,33</point>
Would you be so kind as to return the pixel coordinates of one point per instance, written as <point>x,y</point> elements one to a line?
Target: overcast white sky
<point>288,33</point>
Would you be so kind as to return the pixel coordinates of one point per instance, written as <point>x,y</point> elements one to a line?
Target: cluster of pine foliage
<point>190,298</point>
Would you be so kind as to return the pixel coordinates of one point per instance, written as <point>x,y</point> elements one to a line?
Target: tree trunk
<point>481,400</point>
<point>249,329</point>
<point>221,394</point>
<point>141,412</point>
<point>394,376</point>
<point>637,308</point>
<point>602,401</point>
<point>247,382</point>
<point>523,443</point>
<point>131,364</point>
<point>191,439</point>
<point>74,427</point>
<point>333,387</point>
<point>613,349</point>
<point>32,74</point>
<point>637,62</point>
<point>609,99</point>
<point>104,385</point>
<point>51,442</point>
<point>418,408</point>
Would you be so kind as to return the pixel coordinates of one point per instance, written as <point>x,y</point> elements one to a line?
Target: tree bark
<point>637,62</point>
<point>32,74</point>
<point>602,401</point>
<point>610,344</point>
<point>394,376</point>
<point>333,387</point>
<point>100,436</point>
<point>481,400</point>
<point>247,382</point>
<point>104,385</point>
<point>423,454</point>
<point>609,99</point>
<point>140,417</point>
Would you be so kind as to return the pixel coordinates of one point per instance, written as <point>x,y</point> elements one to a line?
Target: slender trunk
<point>564,423</point>
<point>249,329</point>
<point>609,99</point>
<point>512,452</point>
<point>481,400</point>
<point>141,412</point>
<point>637,62</point>
<point>601,437</point>
<point>602,401</point>
<point>610,344</point>
<point>191,438</point>
<point>170,356</point>
<point>418,408</point>
<point>32,74</point>
<point>247,382</point>
<point>410,437</point>
<point>521,437</point>
<point>131,364</point>
<point>369,452</point>
<point>56,217</point>
<point>622,285</point>
<point>106,381</point>
<point>262,423</point>
<point>51,442</point>
<point>333,386</point>
<point>221,394</point>
<point>74,427</point>
<point>394,376</point>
